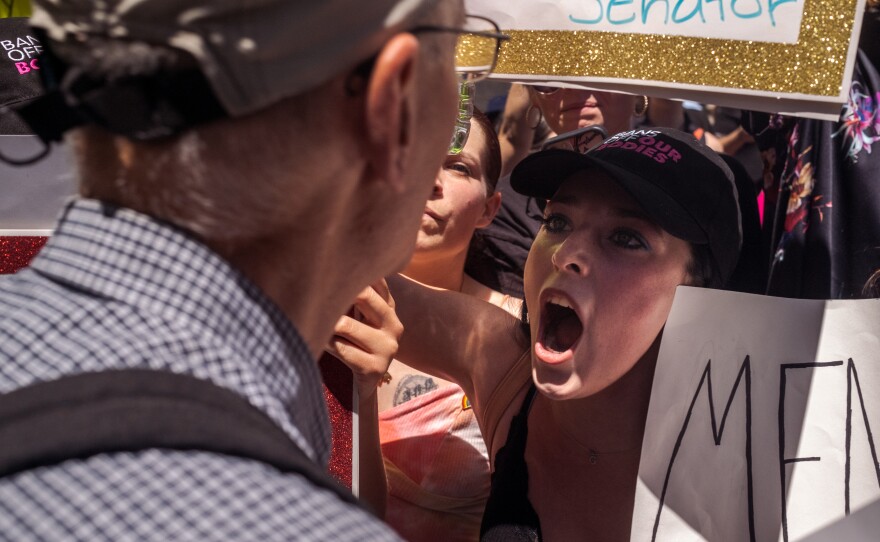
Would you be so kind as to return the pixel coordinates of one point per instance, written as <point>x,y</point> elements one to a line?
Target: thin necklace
<point>593,455</point>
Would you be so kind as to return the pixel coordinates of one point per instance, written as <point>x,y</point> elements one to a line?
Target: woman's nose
<point>572,256</point>
<point>438,187</point>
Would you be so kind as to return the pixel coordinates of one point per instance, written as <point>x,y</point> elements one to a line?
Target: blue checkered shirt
<point>116,289</point>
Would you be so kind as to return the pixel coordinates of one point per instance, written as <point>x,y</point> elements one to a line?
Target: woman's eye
<point>554,223</point>
<point>459,168</point>
<point>629,240</point>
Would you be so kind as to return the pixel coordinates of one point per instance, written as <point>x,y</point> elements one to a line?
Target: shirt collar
<point>120,254</point>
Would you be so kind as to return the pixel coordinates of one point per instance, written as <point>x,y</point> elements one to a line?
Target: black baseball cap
<point>19,72</point>
<point>683,185</point>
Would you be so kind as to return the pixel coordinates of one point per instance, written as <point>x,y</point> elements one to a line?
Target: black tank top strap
<point>526,406</point>
<point>509,515</point>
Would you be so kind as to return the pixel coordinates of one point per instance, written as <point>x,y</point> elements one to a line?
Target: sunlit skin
<point>568,109</point>
<point>615,268</point>
<point>593,364</point>
<point>458,205</point>
<point>460,202</point>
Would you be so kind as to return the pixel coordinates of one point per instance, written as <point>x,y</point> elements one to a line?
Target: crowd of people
<point>247,206</point>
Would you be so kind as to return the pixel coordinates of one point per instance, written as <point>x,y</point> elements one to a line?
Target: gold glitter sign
<point>791,56</point>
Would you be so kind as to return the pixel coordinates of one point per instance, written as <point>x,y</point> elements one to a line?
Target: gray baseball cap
<point>19,75</point>
<point>252,53</point>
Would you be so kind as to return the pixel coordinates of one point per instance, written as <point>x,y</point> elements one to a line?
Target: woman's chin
<point>562,385</point>
<point>559,388</point>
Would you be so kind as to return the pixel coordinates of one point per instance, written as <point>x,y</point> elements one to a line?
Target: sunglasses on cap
<point>462,129</point>
<point>580,140</point>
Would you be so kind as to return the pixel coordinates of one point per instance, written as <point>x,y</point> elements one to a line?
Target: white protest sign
<point>861,525</point>
<point>785,56</point>
<point>759,426</point>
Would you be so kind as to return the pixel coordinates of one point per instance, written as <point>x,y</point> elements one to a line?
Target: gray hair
<point>222,180</point>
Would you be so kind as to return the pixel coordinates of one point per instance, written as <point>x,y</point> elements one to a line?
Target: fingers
<point>381,288</point>
<point>366,339</point>
<point>372,340</point>
<point>374,306</point>
<point>366,350</point>
<point>367,367</point>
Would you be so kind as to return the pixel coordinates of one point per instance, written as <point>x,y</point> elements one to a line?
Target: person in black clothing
<point>822,207</point>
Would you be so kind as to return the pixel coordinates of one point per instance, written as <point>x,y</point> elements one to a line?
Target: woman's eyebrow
<point>466,157</point>
<point>466,154</point>
<point>565,199</point>
<point>637,214</point>
<point>628,212</point>
<point>622,212</point>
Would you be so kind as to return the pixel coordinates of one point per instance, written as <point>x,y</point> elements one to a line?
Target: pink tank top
<point>437,467</point>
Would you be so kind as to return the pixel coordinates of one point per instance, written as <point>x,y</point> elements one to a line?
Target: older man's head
<point>297,78</point>
<point>298,139</point>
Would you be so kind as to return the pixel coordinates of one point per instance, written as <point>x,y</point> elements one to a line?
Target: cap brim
<point>541,174</point>
<point>10,121</point>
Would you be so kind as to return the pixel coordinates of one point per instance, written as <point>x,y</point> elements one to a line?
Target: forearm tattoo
<point>412,386</point>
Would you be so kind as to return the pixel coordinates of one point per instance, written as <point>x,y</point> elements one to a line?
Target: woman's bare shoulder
<point>453,335</point>
<point>498,394</point>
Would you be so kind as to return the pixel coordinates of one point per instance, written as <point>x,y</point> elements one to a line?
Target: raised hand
<point>366,339</point>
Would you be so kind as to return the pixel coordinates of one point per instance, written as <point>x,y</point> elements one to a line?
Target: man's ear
<point>389,107</point>
<point>490,209</point>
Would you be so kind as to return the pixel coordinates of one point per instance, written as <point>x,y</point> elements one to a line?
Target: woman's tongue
<point>562,329</point>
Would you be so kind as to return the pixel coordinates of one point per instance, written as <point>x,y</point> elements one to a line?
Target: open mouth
<point>560,326</point>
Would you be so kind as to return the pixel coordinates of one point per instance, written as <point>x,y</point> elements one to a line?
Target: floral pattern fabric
<point>822,194</point>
